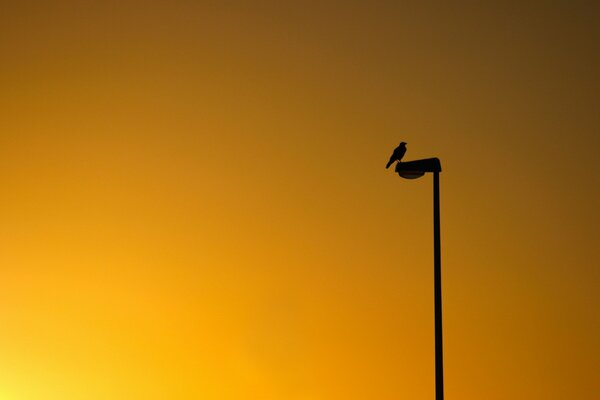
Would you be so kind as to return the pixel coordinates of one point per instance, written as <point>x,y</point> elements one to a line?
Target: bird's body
<point>397,154</point>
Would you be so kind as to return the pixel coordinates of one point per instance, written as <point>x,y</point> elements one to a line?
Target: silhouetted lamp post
<point>412,170</point>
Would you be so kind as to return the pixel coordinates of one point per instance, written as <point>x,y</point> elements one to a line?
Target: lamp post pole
<point>412,170</point>
<point>437,284</point>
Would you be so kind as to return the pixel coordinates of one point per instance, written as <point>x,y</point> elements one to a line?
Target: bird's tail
<point>388,164</point>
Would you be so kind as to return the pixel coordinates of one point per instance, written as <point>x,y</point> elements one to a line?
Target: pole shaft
<point>437,283</point>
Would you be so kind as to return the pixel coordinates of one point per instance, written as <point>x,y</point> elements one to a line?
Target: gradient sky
<point>195,206</point>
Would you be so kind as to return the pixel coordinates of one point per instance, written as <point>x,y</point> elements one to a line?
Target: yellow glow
<point>195,206</point>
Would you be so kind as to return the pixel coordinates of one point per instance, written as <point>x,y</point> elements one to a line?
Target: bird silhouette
<point>397,154</point>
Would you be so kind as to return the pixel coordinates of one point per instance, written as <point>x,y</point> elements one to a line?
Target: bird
<point>397,154</point>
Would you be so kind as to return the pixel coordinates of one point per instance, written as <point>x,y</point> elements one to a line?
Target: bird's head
<point>402,143</point>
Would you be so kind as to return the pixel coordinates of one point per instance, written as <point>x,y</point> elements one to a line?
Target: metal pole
<point>437,284</point>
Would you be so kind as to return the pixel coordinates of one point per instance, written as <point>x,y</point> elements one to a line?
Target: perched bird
<point>397,154</point>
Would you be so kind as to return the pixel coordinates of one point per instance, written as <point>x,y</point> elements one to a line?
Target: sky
<point>195,205</point>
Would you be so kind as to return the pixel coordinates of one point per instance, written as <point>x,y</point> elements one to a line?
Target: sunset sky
<point>194,203</point>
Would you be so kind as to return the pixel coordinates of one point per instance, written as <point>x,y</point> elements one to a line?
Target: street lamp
<point>412,170</point>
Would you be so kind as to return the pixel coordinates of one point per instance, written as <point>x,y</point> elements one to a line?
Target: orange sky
<point>195,206</point>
